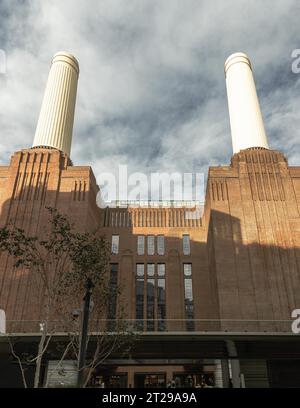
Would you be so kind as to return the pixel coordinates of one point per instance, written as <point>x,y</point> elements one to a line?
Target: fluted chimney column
<point>55,123</point>
<point>246,122</point>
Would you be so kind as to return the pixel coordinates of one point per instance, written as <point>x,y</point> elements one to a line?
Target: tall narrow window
<point>150,244</point>
<point>160,245</point>
<point>150,297</point>
<point>186,245</point>
<point>115,244</point>
<point>188,296</point>
<point>140,244</point>
<point>139,301</point>
<point>161,297</point>
<point>151,303</point>
<point>113,289</point>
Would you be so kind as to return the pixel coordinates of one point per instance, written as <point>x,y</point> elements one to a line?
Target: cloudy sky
<point>151,89</point>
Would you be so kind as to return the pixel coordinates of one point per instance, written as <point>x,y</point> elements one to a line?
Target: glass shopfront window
<point>150,380</point>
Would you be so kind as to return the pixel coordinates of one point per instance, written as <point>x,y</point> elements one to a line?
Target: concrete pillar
<point>225,374</point>
<point>235,364</point>
<point>169,374</point>
<point>235,372</point>
<point>55,123</point>
<point>130,377</point>
<point>246,122</point>
<point>218,374</point>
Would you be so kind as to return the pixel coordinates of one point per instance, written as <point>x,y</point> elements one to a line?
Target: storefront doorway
<point>109,381</point>
<point>187,380</point>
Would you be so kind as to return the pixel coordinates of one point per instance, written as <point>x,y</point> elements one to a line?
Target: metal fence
<point>153,326</point>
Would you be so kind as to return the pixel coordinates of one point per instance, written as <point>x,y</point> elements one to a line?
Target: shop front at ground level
<point>204,373</point>
<point>160,359</point>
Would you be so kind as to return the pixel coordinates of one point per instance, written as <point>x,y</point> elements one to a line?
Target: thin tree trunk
<point>59,363</point>
<point>19,362</point>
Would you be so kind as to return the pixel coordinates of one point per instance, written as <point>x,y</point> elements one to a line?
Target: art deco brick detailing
<point>37,178</point>
<point>264,174</point>
<point>246,122</point>
<point>218,189</point>
<point>55,124</point>
<point>151,217</point>
<point>79,190</point>
<point>243,251</point>
<point>253,239</point>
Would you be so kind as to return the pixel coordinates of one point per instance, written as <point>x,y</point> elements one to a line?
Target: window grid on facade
<point>151,297</point>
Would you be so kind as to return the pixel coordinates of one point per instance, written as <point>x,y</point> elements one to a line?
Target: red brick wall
<point>244,250</point>
<point>37,178</point>
<point>254,233</point>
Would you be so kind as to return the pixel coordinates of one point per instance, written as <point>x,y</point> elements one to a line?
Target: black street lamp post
<point>84,332</point>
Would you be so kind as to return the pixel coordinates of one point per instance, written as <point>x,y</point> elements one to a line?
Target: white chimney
<point>246,122</point>
<point>55,124</point>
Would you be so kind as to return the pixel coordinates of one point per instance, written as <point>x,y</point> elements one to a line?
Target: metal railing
<point>155,326</point>
<point>156,203</point>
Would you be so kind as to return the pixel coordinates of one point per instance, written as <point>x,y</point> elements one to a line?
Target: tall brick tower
<point>44,176</point>
<point>254,223</point>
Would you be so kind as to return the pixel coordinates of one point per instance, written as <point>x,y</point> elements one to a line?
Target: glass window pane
<point>150,244</point>
<point>150,269</point>
<point>161,304</point>
<point>188,290</point>
<point>161,269</point>
<point>186,245</point>
<point>140,269</point>
<point>139,303</point>
<point>161,245</point>
<point>189,304</point>
<point>150,304</point>
<point>115,244</point>
<point>161,289</point>
<point>187,269</point>
<point>141,245</point>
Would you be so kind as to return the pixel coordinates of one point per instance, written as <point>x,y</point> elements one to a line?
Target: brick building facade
<point>234,270</point>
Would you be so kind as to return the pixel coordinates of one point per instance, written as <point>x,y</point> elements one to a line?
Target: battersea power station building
<point>212,295</point>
